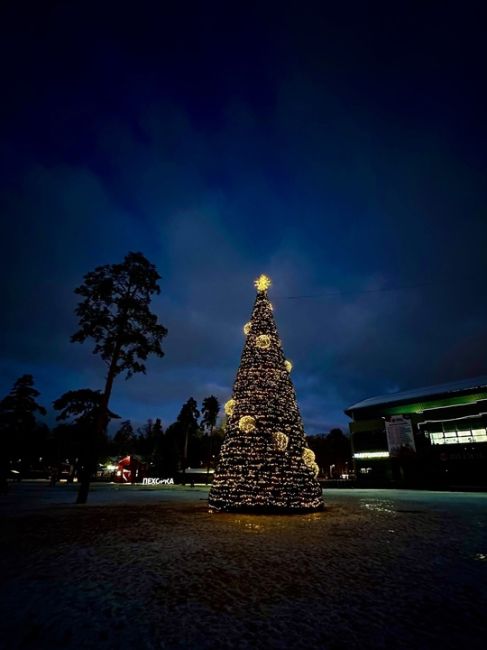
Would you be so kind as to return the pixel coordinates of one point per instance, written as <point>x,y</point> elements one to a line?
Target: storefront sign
<point>157,481</point>
<point>400,437</point>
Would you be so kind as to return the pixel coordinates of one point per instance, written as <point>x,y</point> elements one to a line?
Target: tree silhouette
<point>158,447</point>
<point>124,439</point>
<point>339,451</point>
<point>167,456</point>
<point>188,423</point>
<point>18,419</point>
<point>115,313</point>
<point>210,410</point>
<point>83,408</point>
<point>264,462</point>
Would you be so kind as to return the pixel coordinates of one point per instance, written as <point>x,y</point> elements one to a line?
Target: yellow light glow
<point>315,467</point>
<point>262,283</point>
<point>308,456</point>
<point>289,365</point>
<point>229,406</point>
<point>263,341</point>
<point>281,440</point>
<point>246,423</point>
<point>371,454</point>
<point>246,328</point>
<point>271,306</point>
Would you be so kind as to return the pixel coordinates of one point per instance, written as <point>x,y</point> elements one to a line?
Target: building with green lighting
<point>426,437</point>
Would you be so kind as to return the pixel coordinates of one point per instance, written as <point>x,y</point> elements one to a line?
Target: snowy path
<point>151,567</point>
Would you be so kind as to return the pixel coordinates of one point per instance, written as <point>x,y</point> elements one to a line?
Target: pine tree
<point>115,313</point>
<point>264,463</point>
<point>124,439</point>
<point>18,422</point>
<point>188,423</point>
<point>209,411</point>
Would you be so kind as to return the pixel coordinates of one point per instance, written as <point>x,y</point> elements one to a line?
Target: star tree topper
<point>262,283</point>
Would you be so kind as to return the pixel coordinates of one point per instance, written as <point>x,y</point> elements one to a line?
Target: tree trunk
<point>84,487</point>
<point>209,456</point>
<point>100,427</point>
<point>185,454</point>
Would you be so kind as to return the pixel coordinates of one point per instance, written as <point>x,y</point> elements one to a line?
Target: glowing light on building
<point>371,454</point>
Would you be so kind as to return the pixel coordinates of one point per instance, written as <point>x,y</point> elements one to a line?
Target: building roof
<point>421,393</point>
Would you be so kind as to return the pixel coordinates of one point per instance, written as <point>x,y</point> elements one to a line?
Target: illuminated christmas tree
<point>264,463</point>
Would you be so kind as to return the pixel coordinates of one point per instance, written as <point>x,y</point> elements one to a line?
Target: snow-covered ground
<point>150,567</point>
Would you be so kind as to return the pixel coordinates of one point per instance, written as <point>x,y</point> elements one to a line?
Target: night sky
<point>338,147</point>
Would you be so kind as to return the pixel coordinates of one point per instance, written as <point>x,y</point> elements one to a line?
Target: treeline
<point>333,454</point>
<point>114,314</point>
<point>31,447</point>
<point>193,440</point>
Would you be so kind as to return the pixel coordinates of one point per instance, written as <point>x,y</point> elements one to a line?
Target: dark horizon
<point>340,150</point>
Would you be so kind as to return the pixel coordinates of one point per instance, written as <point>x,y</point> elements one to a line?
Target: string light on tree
<point>262,459</point>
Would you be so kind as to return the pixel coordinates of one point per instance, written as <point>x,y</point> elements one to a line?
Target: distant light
<point>371,454</point>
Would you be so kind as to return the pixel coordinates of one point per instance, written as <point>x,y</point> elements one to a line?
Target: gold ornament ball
<point>229,407</point>
<point>246,423</point>
<point>308,456</point>
<point>246,328</point>
<point>288,365</point>
<point>281,440</point>
<point>315,468</point>
<point>263,341</point>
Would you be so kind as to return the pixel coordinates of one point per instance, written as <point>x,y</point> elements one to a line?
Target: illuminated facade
<point>435,436</point>
<point>264,464</point>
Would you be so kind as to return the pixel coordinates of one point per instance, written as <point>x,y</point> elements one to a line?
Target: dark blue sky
<point>338,147</point>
